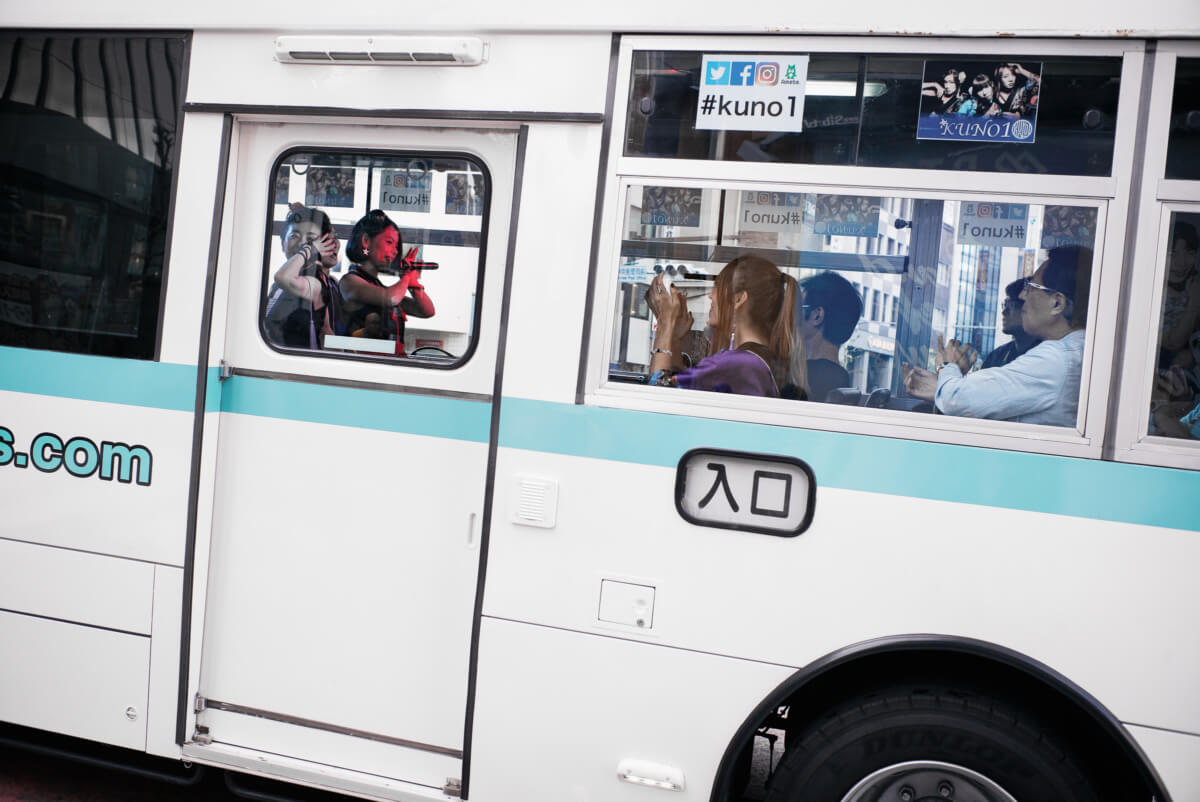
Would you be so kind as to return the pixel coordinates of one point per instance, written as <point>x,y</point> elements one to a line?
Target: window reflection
<point>375,255</point>
<point>885,281</point>
<point>85,175</point>
<point>1175,396</point>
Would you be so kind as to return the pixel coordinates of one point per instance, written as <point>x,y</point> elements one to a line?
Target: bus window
<point>1183,142</point>
<point>375,255</point>
<point>882,293</point>
<point>864,110</point>
<point>1175,395</point>
<point>86,168</point>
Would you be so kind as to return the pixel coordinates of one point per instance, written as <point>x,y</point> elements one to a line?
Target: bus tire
<point>911,742</point>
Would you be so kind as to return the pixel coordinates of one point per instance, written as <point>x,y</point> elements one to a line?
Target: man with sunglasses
<point>1041,385</point>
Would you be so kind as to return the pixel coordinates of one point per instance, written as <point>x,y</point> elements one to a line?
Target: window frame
<point>270,239</point>
<point>1110,194</point>
<point>1159,198</point>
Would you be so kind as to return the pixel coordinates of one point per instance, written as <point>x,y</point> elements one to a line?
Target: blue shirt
<point>1040,386</point>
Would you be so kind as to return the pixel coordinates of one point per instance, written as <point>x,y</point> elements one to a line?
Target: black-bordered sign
<point>763,493</point>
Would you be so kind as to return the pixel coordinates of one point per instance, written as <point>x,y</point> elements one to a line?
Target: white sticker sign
<point>749,492</point>
<point>772,211</point>
<point>1002,225</point>
<point>761,92</point>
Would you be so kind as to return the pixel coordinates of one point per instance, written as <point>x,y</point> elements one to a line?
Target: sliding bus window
<point>886,278</point>
<point>86,168</point>
<point>865,110</point>
<point>375,255</point>
<point>1175,393</point>
<point>1183,140</point>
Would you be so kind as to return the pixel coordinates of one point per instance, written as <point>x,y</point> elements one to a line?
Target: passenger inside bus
<point>1040,386</point>
<point>375,245</point>
<point>826,319</point>
<point>1010,323</point>
<point>1175,397</point>
<point>312,247</point>
<point>753,349</point>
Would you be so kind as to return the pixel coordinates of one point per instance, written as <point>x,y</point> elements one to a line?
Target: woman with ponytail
<point>753,351</point>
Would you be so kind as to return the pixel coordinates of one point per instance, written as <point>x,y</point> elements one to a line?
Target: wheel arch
<point>852,669</point>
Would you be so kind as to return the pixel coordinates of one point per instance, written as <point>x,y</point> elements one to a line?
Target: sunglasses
<point>1031,283</point>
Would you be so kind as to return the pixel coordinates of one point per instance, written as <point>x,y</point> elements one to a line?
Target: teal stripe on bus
<point>1094,489</point>
<point>135,382</point>
<point>408,413</point>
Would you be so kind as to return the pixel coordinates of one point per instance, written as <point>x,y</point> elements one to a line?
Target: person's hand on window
<point>327,246</point>
<point>669,308</point>
<point>919,383</point>
<point>960,354</point>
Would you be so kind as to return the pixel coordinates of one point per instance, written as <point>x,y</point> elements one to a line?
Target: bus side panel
<point>76,680</point>
<point>108,478</point>
<point>665,706</point>
<point>1176,758</point>
<point>771,598</point>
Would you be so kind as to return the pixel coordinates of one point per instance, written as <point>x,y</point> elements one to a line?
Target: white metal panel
<point>1176,758</point>
<point>522,73</point>
<point>142,522</point>
<point>341,588</point>
<point>1172,17</point>
<point>76,586</point>
<point>187,269</point>
<point>73,679</point>
<point>1066,591</point>
<point>313,775</point>
<point>550,267</point>
<point>666,706</point>
<point>382,760</point>
<point>163,701</point>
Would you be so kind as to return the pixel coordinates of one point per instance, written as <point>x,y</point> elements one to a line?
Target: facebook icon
<point>742,74</point>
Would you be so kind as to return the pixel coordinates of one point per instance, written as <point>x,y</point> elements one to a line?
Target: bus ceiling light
<point>652,775</point>
<point>412,51</point>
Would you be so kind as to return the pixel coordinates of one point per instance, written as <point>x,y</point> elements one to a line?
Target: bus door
<point>351,456</point>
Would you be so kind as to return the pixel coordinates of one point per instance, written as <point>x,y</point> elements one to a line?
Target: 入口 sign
<point>762,92</point>
<point>764,493</point>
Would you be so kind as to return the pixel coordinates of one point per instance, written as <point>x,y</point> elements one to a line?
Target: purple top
<point>737,371</point>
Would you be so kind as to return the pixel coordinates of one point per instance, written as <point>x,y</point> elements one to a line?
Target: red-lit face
<point>384,247</point>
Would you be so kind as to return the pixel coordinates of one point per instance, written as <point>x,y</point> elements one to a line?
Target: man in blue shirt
<point>1041,385</point>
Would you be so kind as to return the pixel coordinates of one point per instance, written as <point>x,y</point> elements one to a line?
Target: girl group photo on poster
<point>996,91</point>
<point>980,89</point>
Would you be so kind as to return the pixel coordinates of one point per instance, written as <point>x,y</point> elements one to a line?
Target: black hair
<point>299,213</point>
<point>1013,290</point>
<point>1185,231</point>
<point>1069,270</point>
<point>370,225</point>
<point>842,304</point>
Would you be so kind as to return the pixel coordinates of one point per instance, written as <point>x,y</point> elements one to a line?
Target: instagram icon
<point>767,73</point>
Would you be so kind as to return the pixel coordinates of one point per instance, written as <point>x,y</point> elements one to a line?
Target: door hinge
<point>453,787</point>
<point>201,735</point>
<point>199,704</point>
<point>226,370</point>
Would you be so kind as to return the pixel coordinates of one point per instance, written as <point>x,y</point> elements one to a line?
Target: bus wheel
<point>911,743</point>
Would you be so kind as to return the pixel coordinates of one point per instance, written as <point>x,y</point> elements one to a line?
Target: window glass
<point>1183,142</point>
<point>865,110</point>
<point>375,255</point>
<point>957,274</point>
<point>87,149</point>
<point>1175,396</point>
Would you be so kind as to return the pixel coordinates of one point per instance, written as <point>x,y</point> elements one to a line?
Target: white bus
<point>276,501</point>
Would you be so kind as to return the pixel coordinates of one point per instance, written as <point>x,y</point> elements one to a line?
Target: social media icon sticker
<point>718,73</point>
<point>767,73</point>
<point>742,73</point>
